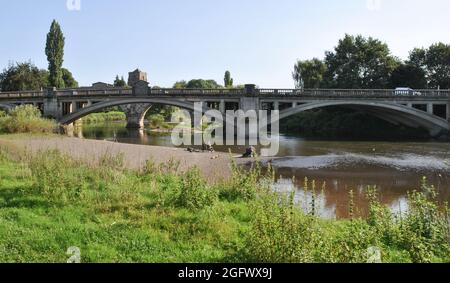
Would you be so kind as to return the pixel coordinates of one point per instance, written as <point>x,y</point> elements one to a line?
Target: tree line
<point>358,62</point>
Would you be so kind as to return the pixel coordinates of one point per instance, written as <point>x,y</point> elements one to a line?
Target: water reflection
<point>393,167</point>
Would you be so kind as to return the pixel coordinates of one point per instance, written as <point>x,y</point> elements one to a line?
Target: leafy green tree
<point>68,79</point>
<point>197,84</point>
<point>119,82</point>
<point>54,50</point>
<point>406,75</point>
<point>309,73</point>
<point>203,84</point>
<point>359,62</point>
<point>417,58</point>
<point>435,61</point>
<point>180,84</point>
<point>23,76</point>
<point>228,80</point>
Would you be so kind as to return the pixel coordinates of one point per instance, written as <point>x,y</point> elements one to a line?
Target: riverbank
<point>214,166</point>
<point>50,202</point>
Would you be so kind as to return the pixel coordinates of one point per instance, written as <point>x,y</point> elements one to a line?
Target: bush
<point>157,121</point>
<point>281,232</point>
<point>245,183</point>
<point>425,228</point>
<point>194,193</point>
<point>188,190</point>
<point>26,119</point>
<point>111,116</point>
<point>52,176</point>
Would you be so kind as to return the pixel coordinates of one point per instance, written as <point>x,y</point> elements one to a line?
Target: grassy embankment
<point>111,116</point>
<point>49,202</point>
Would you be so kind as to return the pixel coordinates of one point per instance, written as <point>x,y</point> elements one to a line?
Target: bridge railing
<point>20,94</point>
<point>337,93</point>
<point>94,92</point>
<point>377,93</point>
<point>168,91</point>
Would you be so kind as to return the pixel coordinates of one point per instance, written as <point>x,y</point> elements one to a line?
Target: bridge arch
<point>391,112</point>
<point>70,118</point>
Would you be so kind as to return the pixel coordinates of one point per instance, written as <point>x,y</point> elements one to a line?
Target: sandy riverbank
<point>214,166</point>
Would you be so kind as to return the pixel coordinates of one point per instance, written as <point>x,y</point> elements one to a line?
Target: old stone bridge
<point>429,109</point>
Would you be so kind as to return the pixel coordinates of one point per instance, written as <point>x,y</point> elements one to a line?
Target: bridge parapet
<point>326,93</point>
<point>376,93</point>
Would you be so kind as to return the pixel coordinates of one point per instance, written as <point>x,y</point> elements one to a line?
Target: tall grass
<point>26,119</point>
<point>163,214</point>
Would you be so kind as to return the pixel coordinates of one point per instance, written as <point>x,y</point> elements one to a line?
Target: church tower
<point>135,76</point>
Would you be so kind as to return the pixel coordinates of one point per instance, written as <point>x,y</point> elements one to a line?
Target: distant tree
<point>203,84</point>
<point>23,76</point>
<point>180,84</point>
<point>435,61</point>
<point>228,80</point>
<point>406,75</point>
<point>119,82</point>
<point>359,62</point>
<point>309,73</point>
<point>68,79</point>
<point>198,84</point>
<point>55,55</point>
<point>417,58</point>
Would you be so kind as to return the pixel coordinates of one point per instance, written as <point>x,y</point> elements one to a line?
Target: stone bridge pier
<point>135,114</point>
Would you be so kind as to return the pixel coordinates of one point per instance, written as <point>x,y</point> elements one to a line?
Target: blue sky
<point>257,40</point>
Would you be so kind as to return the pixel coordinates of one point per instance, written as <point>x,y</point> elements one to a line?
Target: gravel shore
<point>214,166</point>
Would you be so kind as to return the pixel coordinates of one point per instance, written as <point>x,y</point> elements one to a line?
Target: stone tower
<point>135,76</point>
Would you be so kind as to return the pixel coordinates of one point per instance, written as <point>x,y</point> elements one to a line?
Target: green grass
<point>49,202</point>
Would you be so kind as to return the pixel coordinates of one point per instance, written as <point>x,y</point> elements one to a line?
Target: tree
<point>406,75</point>
<point>119,82</point>
<point>359,62</point>
<point>197,84</point>
<point>309,73</point>
<point>417,58</point>
<point>435,61</point>
<point>180,84</point>
<point>68,79</point>
<point>54,50</point>
<point>23,76</point>
<point>203,84</point>
<point>228,81</point>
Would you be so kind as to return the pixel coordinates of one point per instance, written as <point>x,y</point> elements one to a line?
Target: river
<point>393,167</point>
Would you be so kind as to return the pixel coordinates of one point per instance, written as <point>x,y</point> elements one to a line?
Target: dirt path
<point>214,166</point>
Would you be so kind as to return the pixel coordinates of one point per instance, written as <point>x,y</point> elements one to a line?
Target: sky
<point>259,41</point>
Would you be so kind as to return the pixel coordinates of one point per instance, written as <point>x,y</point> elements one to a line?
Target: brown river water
<point>393,167</point>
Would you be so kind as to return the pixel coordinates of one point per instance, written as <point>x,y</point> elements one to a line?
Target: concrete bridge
<point>429,109</point>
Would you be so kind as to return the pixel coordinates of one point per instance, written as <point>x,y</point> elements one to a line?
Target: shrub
<point>157,121</point>
<point>105,117</point>
<point>280,232</point>
<point>26,119</point>
<point>194,193</point>
<point>188,190</point>
<point>52,176</point>
<point>245,183</point>
<point>425,228</point>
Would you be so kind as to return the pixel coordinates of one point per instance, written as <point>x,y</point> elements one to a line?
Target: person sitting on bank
<point>249,152</point>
